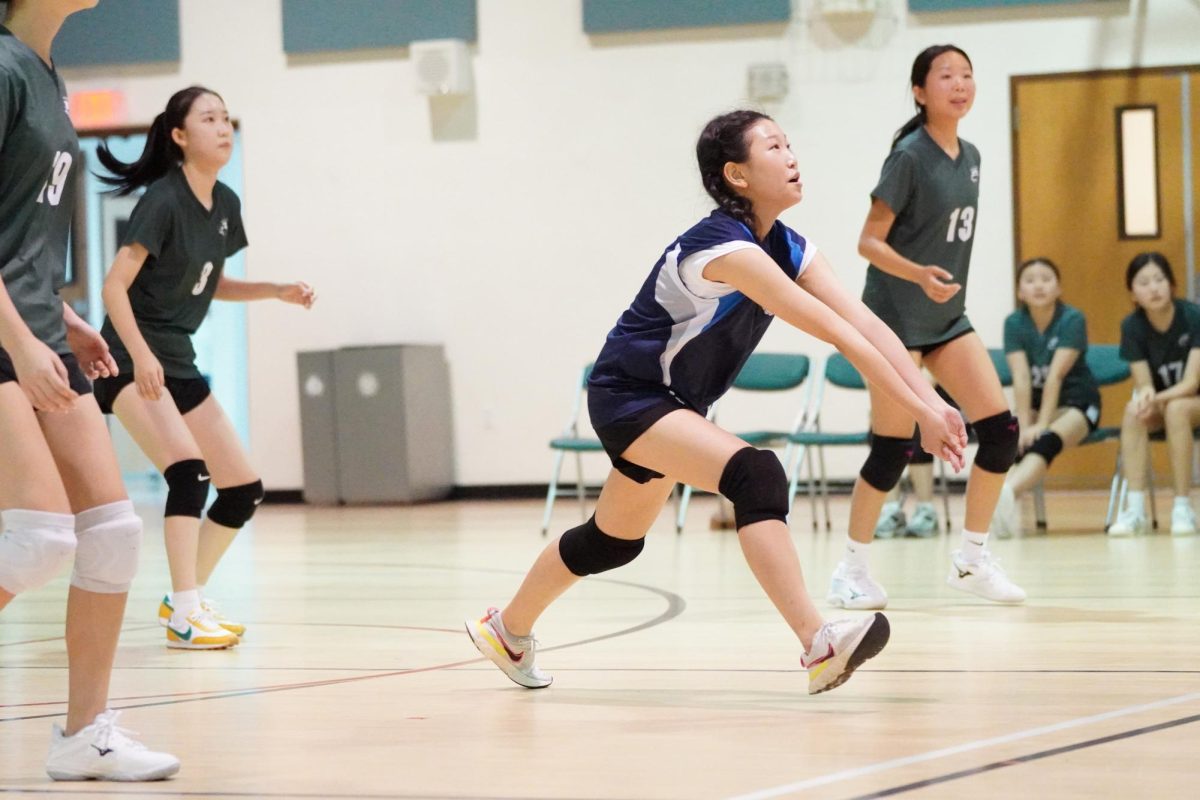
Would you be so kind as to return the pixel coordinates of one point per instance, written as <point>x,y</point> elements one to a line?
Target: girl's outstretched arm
<point>234,290</point>
<point>755,275</point>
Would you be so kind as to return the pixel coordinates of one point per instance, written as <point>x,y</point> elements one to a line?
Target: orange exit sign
<point>99,109</point>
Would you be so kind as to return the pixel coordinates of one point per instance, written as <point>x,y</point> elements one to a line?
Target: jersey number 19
<point>52,190</point>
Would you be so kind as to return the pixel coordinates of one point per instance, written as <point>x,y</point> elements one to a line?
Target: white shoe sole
<point>856,604</point>
<point>967,588</point>
<point>190,646</point>
<point>485,647</point>
<point>162,773</point>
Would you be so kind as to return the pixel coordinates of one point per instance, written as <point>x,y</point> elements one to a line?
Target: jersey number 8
<point>965,216</point>
<point>52,189</point>
<point>204,273</point>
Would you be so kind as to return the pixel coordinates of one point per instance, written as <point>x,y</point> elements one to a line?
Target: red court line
<point>675,607</point>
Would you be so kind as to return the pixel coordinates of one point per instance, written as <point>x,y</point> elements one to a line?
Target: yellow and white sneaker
<point>211,608</point>
<point>198,631</point>
<point>165,611</point>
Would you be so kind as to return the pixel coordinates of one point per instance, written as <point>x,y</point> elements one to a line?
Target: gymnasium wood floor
<point>674,677</point>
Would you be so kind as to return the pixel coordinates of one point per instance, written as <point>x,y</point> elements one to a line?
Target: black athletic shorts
<point>926,349</point>
<point>1091,412</point>
<point>186,392</point>
<point>75,376</point>
<point>620,416</point>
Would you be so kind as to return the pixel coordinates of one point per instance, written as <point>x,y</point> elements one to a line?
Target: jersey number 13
<point>962,224</point>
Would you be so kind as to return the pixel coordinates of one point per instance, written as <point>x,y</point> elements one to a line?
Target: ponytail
<point>724,140</point>
<point>915,122</point>
<point>160,154</point>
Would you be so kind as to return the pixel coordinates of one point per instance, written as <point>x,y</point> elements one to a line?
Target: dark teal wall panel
<point>610,16</point>
<point>316,26</point>
<point>120,32</point>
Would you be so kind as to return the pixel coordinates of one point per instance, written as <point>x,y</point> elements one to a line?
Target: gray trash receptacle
<point>318,424</point>
<point>376,424</point>
<point>394,433</point>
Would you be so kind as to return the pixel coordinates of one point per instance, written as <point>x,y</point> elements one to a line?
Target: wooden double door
<point>1068,196</point>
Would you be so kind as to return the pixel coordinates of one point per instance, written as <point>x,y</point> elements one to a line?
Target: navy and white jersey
<point>683,333</point>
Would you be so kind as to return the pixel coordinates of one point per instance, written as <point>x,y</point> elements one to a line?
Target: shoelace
<point>109,733</point>
<point>990,563</point>
<point>205,619</point>
<point>515,641</point>
<point>822,639</point>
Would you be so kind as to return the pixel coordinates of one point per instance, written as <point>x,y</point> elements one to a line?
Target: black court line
<point>1012,762</point>
<point>675,607</point>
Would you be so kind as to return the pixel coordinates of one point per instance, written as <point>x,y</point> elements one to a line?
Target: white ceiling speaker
<point>441,66</point>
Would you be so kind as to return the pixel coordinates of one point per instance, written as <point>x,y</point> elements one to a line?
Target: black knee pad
<point>1048,446</point>
<point>998,437</point>
<point>587,550</point>
<point>187,488</point>
<point>234,506</point>
<point>755,482</point>
<point>886,461</point>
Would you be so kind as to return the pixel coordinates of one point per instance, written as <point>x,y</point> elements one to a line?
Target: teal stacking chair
<point>837,371</point>
<point>569,441</point>
<point>763,372</point>
<point>1109,368</point>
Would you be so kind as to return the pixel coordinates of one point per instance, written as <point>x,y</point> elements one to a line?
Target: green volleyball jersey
<point>1167,351</point>
<point>935,198</point>
<point>187,246</point>
<point>1068,329</point>
<point>38,154</point>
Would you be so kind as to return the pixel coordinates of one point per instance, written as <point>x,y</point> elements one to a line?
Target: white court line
<point>883,766</point>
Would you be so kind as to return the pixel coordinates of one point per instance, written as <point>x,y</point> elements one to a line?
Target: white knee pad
<point>34,546</point>
<point>110,539</point>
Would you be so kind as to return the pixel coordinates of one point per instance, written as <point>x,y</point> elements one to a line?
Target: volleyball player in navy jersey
<point>704,307</point>
<point>60,485</point>
<point>918,237</point>
<point>165,276</point>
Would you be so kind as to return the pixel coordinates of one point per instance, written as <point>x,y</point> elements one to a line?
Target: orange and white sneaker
<point>198,631</point>
<point>214,611</point>
<point>840,647</point>
<point>512,654</point>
